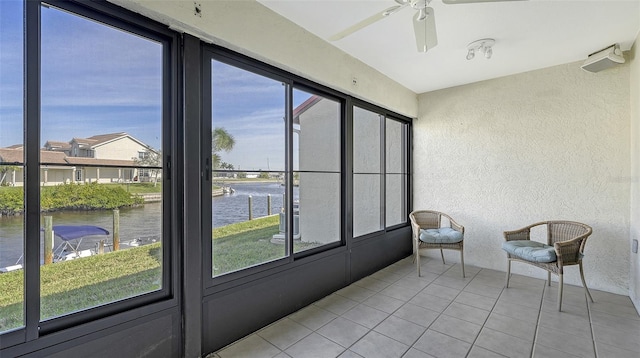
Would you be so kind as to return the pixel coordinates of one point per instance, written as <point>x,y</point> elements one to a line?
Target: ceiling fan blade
<point>425,30</point>
<point>450,2</point>
<point>366,22</point>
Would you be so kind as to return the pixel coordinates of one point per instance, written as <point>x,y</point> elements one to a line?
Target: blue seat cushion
<point>530,250</point>
<point>443,235</point>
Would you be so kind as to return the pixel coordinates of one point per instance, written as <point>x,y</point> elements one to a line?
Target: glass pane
<point>318,215</point>
<point>316,126</point>
<point>396,196</point>
<point>101,167</point>
<point>395,140</point>
<point>366,204</point>
<point>11,166</point>
<point>366,141</point>
<point>248,150</point>
<point>396,166</point>
<point>367,172</point>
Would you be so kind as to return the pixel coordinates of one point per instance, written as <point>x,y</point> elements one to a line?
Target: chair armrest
<point>453,224</point>
<point>457,227</point>
<point>416,230</point>
<point>520,234</point>
<point>568,251</point>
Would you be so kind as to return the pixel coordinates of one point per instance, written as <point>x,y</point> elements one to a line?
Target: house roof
<point>16,157</point>
<point>11,156</point>
<point>51,157</point>
<point>83,141</point>
<point>304,106</point>
<point>55,144</point>
<point>94,141</point>
<point>103,138</point>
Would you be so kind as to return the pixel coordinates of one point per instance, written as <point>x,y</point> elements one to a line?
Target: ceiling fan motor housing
<point>420,4</point>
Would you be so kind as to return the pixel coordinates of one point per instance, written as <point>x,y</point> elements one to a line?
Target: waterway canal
<point>144,222</point>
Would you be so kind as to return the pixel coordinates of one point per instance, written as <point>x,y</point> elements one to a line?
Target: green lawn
<point>78,284</point>
<point>83,283</point>
<point>248,243</point>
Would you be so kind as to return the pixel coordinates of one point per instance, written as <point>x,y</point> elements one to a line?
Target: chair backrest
<point>559,231</point>
<point>426,219</point>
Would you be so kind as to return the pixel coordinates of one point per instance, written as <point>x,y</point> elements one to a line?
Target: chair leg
<point>462,262</point>
<point>560,287</point>
<point>584,283</point>
<point>418,260</point>
<point>442,254</point>
<point>415,251</point>
<point>549,278</point>
<point>508,272</point>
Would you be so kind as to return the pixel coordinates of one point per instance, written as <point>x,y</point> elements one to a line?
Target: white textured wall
<point>250,28</point>
<point>634,279</point>
<point>544,145</point>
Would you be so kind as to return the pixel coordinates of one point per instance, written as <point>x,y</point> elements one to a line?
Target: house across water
<point>103,158</point>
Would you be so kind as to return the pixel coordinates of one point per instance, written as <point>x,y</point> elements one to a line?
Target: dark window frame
<point>99,317</point>
<point>219,283</point>
<point>408,204</point>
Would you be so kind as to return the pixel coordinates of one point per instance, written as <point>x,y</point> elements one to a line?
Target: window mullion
<point>289,207</point>
<point>32,168</point>
<point>383,171</point>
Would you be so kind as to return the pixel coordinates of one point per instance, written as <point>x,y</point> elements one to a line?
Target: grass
<point>79,284</point>
<point>74,285</point>
<point>248,243</point>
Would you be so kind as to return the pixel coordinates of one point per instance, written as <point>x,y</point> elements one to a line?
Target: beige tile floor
<point>393,313</point>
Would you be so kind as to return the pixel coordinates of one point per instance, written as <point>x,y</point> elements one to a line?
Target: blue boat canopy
<point>73,232</point>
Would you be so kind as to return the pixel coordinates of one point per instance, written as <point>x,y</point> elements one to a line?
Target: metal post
<point>250,208</point>
<point>268,204</point>
<point>48,240</point>
<point>116,229</point>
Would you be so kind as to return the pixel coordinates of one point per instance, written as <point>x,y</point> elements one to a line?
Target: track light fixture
<point>484,46</point>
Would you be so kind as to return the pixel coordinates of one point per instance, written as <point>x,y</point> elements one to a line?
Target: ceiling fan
<point>424,22</point>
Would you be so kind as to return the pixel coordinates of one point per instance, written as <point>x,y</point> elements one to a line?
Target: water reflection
<point>233,208</point>
<point>142,222</point>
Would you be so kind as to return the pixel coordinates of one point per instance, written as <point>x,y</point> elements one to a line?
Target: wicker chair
<point>426,222</point>
<point>564,247</point>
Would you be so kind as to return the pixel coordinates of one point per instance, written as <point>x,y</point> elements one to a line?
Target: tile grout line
<point>535,335</point>
<point>485,322</point>
<point>593,333</point>
<point>391,314</point>
<point>407,301</point>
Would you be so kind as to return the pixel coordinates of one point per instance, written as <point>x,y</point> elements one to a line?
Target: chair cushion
<point>443,235</point>
<point>530,250</point>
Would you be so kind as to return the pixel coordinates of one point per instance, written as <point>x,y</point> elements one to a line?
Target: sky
<point>96,79</point>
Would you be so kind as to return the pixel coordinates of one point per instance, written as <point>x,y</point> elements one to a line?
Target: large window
<point>380,171</point>
<point>248,162</point>
<point>105,98</point>
<point>84,225</point>
<point>11,166</point>
<point>276,167</point>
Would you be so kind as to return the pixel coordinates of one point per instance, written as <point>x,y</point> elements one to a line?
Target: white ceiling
<point>529,35</point>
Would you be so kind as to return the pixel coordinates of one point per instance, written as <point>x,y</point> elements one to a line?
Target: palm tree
<point>221,140</point>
